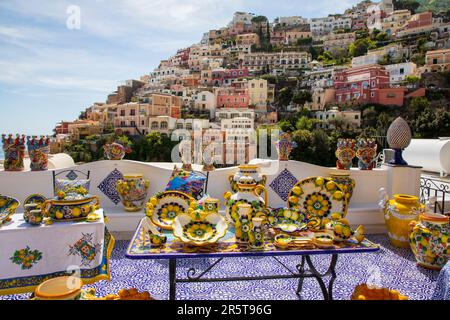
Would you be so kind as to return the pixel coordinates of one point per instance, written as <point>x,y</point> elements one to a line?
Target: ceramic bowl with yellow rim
<point>323,240</point>
<point>63,210</point>
<point>163,208</point>
<point>8,207</point>
<point>201,230</point>
<point>61,288</point>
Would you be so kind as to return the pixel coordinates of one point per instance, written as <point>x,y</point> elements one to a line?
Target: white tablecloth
<point>30,255</point>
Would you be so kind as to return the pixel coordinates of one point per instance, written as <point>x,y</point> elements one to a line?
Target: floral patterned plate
<point>200,232</point>
<point>166,206</point>
<point>287,219</point>
<point>319,197</point>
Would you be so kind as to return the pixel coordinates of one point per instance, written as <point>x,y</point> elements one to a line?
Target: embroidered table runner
<point>30,255</point>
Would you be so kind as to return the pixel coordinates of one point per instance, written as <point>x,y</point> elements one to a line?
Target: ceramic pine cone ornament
<point>399,137</point>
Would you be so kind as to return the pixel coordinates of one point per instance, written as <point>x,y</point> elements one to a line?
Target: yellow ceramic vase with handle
<point>398,214</point>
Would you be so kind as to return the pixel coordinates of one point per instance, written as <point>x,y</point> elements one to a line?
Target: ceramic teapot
<point>249,191</point>
<point>247,170</point>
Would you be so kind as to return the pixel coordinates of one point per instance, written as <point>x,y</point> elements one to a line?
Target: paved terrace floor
<point>391,267</point>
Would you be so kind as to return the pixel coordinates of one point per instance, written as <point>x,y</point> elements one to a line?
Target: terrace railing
<point>439,190</point>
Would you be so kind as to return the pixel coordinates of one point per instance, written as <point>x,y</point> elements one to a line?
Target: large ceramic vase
<point>115,151</point>
<point>344,181</point>
<point>133,191</point>
<point>345,153</point>
<point>429,240</point>
<point>398,214</point>
<point>284,146</point>
<point>249,192</point>
<point>399,137</point>
<point>38,150</point>
<point>14,149</point>
<point>366,153</point>
<point>247,170</point>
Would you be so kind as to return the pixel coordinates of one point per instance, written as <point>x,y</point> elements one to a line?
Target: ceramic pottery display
<point>247,170</point>
<point>186,154</point>
<point>366,292</point>
<point>157,238</point>
<point>8,207</point>
<point>340,228</point>
<point>70,210</point>
<point>398,213</point>
<point>211,205</point>
<point>345,182</point>
<point>164,207</point>
<point>61,288</point>
<point>284,146</point>
<point>115,151</point>
<point>133,190</point>
<point>248,193</point>
<point>208,157</point>
<point>71,189</point>
<point>35,217</point>
<point>345,153</point>
<point>14,149</point>
<point>318,197</point>
<point>429,240</point>
<point>287,220</point>
<point>366,153</point>
<point>243,223</point>
<point>33,202</point>
<point>256,235</point>
<point>399,137</point>
<point>199,228</point>
<point>38,150</point>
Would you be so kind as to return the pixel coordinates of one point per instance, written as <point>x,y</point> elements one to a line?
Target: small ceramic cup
<point>35,217</point>
<point>211,205</point>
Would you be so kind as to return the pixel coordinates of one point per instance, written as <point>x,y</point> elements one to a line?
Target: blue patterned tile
<point>71,175</point>
<point>283,184</point>
<point>394,268</point>
<point>108,186</point>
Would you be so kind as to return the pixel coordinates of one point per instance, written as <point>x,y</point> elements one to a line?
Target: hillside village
<point>344,74</point>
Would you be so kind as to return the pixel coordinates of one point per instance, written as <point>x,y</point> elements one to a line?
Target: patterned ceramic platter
<point>201,232</point>
<point>8,207</point>
<point>35,199</point>
<point>167,207</point>
<point>287,219</point>
<point>317,196</point>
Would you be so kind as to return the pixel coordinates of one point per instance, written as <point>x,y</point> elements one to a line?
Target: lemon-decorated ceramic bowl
<point>63,210</point>
<point>8,207</point>
<point>200,231</point>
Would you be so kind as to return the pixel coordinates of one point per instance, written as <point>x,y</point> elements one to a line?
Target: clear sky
<point>49,72</point>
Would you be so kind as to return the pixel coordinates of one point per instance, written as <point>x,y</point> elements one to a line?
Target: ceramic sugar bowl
<point>429,239</point>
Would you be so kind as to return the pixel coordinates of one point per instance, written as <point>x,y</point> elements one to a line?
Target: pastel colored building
<point>248,39</point>
<point>437,61</point>
<point>399,71</point>
<point>367,84</point>
<point>283,60</point>
<point>351,118</point>
<point>336,42</point>
<point>232,99</point>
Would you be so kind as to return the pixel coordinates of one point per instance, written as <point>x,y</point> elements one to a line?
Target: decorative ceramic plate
<point>317,196</point>
<point>169,205</point>
<point>287,219</point>
<point>35,199</point>
<point>202,232</point>
<point>8,207</point>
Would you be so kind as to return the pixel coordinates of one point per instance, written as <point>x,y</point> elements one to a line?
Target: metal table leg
<point>172,279</point>
<point>312,272</point>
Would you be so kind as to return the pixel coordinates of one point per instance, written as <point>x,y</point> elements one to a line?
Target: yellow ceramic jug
<point>398,214</point>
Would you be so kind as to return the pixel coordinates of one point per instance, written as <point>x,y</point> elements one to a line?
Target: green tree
<point>361,46</point>
<point>410,5</point>
<point>432,124</point>
<point>302,97</point>
<point>305,123</point>
<point>419,104</point>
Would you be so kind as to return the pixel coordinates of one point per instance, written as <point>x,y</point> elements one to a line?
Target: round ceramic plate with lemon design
<point>287,219</point>
<point>165,207</point>
<point>319,197</point>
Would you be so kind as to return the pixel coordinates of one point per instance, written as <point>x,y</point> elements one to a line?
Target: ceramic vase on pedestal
<point>115,151</point>
<point>366,153</point>
<point>284,146</point>
<point>399,137</point>
<point>429,240</point>
<point>133,191</point>
<point>185,149</point>
<point>398,214</point>
<point>345,153</point>
<point>38,150</point>
<point>14,149</point>
<point>247,170</point>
